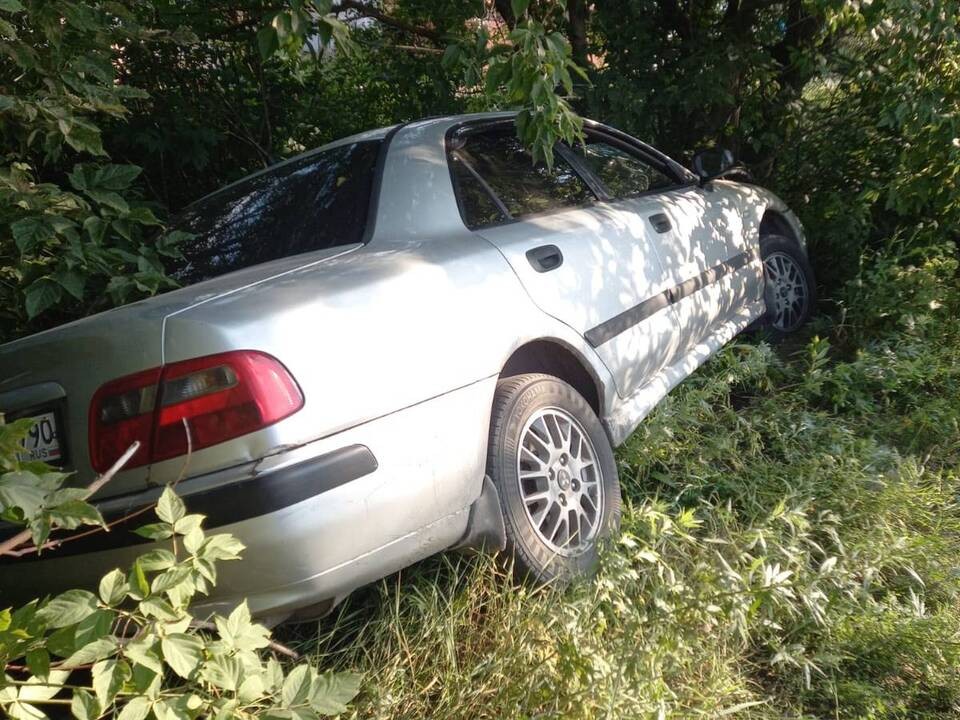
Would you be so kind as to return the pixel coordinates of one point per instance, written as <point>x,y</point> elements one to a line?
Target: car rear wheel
<point>556,477</point>
<point>790,287</point>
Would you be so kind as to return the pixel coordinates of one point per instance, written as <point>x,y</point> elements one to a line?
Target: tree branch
<point>272,644</point>
<point>8,546</point>
<point>369,11</point>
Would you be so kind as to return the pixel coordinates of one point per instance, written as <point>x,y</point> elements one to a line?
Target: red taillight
<point>219,397</point>
<point>122,411</point>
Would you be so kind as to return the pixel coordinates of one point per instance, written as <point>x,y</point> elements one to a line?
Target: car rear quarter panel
<point>364,335</point>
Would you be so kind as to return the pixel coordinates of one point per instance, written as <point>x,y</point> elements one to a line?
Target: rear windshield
<point>317,202</point>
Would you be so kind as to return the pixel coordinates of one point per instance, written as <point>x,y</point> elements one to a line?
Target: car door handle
<point>660,222</point>
<point>545,258</point>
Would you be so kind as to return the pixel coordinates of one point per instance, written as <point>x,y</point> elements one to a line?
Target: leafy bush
<point>134,649</point>
<point>74,235</point>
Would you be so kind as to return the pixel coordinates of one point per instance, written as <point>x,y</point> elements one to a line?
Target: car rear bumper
<point>318,520</point>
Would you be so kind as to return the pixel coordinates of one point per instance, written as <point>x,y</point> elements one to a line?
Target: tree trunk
<point>577,30</point>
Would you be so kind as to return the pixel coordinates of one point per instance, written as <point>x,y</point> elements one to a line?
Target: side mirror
<point>712,163</point>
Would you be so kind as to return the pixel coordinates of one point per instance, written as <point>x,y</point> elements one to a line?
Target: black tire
<point>791,313</point>
<point>519,400</point>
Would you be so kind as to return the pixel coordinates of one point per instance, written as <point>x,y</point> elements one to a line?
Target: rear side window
<point>314,203</point>
<point>500,159</point>
<point>476,204</point>
<point>622,173</point>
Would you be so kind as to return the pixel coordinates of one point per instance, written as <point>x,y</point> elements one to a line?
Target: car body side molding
<point>638,313</point>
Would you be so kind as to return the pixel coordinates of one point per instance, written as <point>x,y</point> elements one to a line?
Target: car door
<point>698,232</point>
<point>588,264</point>
<point>707,256</point>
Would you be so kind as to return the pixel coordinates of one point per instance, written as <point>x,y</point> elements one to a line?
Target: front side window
<point>500,159</point>
<point>313,203</point>
<point>622,173</point>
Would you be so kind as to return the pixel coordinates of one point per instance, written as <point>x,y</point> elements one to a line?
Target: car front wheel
<point>556,477</point>
<point>790,288</point>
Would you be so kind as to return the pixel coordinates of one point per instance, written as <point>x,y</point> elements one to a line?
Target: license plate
<point>43,442</point>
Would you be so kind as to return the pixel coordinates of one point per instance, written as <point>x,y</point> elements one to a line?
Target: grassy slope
<point>789,548</point>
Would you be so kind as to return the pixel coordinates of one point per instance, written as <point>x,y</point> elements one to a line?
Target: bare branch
<point>8,546</point>
<point>365,10</point>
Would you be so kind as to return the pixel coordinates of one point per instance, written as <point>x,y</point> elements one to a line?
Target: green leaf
<point>158,608</point>
<point>240,632</point>
<point>224,671</point>
<point>25,711</point>
<point>10,32</point>
<point>160,559</point>
<point>144,652</point>
<point>193,540</point>
<point>71,281</point>
<point>182,653</point>
<point>63,494</point>
<point>251,689</point>
<point>84,137</point>
<point>170,579</point>
<point>93,627</point>
<point>97,650</point>
<point>136,709</point>
<point>108,677</point>
<point>222,546</point>
<point>296,687</point>
<point>109,199</point>
<point>519,7</point>
<point>39,689</point>
<point>188,523</point>
<point>113,587</point>
<point>332,691</point>
<point>75,513</point>
<point>41,295</point>
<point>139,587</point>
<point>84,706</point>
<point>143,215</point>
<point>267,41</point>
<point>68,608</point>
<point>62,642</point>
<point>155,531</point>
<point>38,661</point>
<point>273,675</point>
<point>11,6</point>
<point>170,508</point>
<point>21,489</point>
<point>31,232</point>
<point>174,709</point>
<point>116,177</point>
<point>96,228</point>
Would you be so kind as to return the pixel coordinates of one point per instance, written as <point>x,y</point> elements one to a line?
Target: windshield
<point>313,203</point>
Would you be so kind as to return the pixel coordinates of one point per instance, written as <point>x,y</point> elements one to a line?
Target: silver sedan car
<point>405,341</point>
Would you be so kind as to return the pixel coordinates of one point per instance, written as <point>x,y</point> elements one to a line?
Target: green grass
<point>790,548</point>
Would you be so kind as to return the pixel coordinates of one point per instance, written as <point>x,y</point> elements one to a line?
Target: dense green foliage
<point>73,234</point>
<point>789,544</point>
<point>134,649</point>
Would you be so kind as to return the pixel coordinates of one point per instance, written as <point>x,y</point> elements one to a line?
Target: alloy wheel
<point>561,483</point>
<point>786,291</point>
